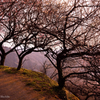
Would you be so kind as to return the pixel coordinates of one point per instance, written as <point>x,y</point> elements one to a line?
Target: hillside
<point>29,85</point>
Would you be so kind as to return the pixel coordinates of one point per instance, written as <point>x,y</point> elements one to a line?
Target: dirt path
<point>12,88</point>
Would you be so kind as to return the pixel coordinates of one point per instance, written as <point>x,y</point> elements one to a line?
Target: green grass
<point>40,82</point>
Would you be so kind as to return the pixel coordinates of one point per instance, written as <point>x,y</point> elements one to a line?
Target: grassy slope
<point>40,82</point>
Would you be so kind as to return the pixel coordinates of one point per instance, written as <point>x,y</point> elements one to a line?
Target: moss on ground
<point>40,82</point>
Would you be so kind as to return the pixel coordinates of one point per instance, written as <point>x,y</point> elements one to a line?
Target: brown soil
<point>12,88</point>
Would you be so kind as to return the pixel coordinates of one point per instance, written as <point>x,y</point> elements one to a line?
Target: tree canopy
<point>67,31</point>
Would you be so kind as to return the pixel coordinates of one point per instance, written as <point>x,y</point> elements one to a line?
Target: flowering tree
<point>74,27</point>
<point>10,12</point>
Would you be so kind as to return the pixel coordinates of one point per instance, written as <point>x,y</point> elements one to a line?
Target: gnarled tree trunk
<point>3,56</point>
<point>20,63</point>
<point>61,80</point>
